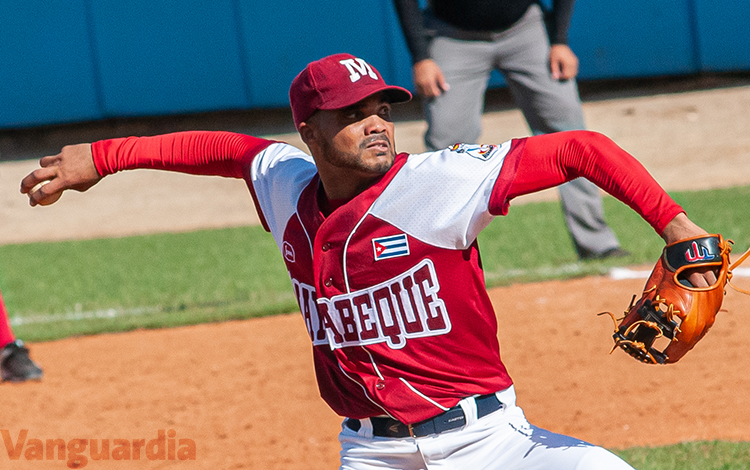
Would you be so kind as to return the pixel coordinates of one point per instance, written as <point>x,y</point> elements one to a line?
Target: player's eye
<point>351,114</point>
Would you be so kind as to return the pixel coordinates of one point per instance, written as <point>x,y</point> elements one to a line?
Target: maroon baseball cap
<point>335,82</point>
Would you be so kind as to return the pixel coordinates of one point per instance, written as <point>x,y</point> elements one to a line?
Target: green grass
<point>532,243</point>
<point>706,455</point>
<point>87,287</point>
<point>157,280</point>
<point>54,290</point>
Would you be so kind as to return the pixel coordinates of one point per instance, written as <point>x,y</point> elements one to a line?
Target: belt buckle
<point>411,430</point>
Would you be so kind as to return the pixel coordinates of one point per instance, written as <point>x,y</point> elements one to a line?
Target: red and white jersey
<point>390,284</point>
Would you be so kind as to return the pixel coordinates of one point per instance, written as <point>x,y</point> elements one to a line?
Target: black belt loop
<point>450,419</point>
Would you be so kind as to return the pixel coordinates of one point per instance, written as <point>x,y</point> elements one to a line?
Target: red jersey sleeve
<point>549,160</point>
<point>196,152</point>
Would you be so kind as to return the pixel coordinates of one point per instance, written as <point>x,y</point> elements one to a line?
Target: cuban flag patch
<point>390,247</point>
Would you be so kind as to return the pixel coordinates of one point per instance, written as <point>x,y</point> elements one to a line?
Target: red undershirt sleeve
<point>552,159</point>
<point>196,152</point>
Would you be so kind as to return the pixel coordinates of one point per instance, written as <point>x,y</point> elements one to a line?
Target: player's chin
<point>380,162</point>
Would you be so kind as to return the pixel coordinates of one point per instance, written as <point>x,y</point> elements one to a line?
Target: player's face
<point>358,139</point>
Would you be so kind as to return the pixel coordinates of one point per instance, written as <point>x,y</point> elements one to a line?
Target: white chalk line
<point>619,274</point>
<point>544,272</point>
<point>80,315</point>
<point>616,274</point>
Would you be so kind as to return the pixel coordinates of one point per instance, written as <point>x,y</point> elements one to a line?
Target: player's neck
<point>346,187</point>
<point>328,205</point>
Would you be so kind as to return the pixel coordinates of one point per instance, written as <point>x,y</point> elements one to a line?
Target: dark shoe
<point>16,365</point>
<point>611,253</point>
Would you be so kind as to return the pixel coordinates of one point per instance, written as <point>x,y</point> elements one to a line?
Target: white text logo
<point>406,306</point>
<point>358,68</point>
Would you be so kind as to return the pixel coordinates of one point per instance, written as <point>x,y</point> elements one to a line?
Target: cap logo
<point>358,68</point>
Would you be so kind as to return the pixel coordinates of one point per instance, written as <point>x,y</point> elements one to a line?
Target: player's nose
<point>374,124</point>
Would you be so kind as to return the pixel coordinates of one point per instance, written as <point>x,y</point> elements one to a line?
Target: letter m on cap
<point>358,68</point>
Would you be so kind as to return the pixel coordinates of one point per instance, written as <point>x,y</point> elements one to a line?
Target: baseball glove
<point>672,315</point>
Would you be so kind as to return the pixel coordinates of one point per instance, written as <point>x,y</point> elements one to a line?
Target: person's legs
<point>360,450</point>
<point>6,332</point>
<point>584,216</point>
<point>522,55</point>
<point>456,115</point>
<point>15,363</point>
<point>503,439</point>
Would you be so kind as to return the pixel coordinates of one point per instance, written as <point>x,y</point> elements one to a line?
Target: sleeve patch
<point>480,152</point>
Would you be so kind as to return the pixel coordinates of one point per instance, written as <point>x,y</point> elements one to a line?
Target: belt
<point>450,419</point>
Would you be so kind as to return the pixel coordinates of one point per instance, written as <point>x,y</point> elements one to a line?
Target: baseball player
<point>15,363</point>
<point>382,253</point>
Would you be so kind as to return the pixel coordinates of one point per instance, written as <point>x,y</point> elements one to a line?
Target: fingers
<point>429,79</point>
<point>564,69</point>
<point>432,88</point>
<point>49,161</point>
<point>72,168</point>
<point>570,68</point>
<point>45,193</point>
<point>702,277</point>
<point>563,62</point>
<point>35,177</point>
<point>42,186</point>
<point>556,69</point>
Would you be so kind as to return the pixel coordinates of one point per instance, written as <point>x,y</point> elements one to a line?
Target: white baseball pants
<point>501,440</point>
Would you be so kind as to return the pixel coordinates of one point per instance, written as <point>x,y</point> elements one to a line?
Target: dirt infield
<point>244,392</point>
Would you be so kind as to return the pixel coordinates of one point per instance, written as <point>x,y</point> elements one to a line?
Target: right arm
<point>427,75</point>
<point>81,166</point>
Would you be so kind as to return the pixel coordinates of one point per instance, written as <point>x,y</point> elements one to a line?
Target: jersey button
<point>326,247</point>
<point>328,282</point>
<point>380,385</point>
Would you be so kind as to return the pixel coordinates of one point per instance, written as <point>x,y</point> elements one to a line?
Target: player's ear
<point>307,133</point>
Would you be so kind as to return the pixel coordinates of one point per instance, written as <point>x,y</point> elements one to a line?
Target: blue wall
<point>83,60</point>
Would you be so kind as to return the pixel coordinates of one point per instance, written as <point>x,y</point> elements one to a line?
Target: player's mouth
<point>379,142</point>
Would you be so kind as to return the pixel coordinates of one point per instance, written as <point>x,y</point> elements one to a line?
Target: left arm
<point>552,159</point>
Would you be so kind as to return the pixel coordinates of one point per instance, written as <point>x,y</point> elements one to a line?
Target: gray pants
<point>521,54</point>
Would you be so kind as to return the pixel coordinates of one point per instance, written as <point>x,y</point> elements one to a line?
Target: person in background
<point>454,47</point>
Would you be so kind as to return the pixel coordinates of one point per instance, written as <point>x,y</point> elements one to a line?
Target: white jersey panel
<point>442,197</point>
<point>279,173</point>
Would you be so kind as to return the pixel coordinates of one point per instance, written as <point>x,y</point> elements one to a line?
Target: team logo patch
<point>390,247</point>
<point>289,252</point>
<point>480,152</point>
<point>698,253</point>
<point>358,68</point>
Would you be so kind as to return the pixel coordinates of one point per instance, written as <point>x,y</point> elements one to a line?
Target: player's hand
<point>429,79</point>
<point>72,168</point>
<point>682,227</point>
<point>563,62</point>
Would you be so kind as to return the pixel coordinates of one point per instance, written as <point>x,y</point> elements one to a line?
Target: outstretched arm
<point>552,159</point>
<point>81,166</point>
